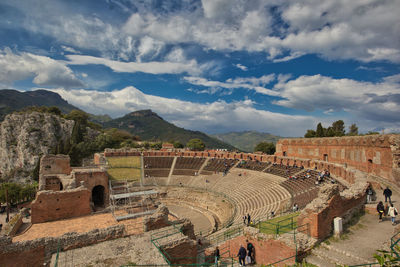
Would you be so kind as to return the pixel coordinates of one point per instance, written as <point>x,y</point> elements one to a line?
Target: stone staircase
<point>332,255</point>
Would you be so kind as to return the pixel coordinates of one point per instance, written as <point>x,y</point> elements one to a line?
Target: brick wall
<point>375,154</point>
<point>320,213</point>
<point>52,206</point>
<point>37,252</point>
<point>266,251</point>
<point>92,178</point>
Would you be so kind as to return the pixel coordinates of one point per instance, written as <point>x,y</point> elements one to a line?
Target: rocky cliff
<point>24,137</point>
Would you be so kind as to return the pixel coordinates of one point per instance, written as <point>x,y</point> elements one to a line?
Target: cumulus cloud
<point>190,66</point>
<point>250,83</point>
<point>362,30</point>
<point>371,101</point>
<point>358,29</point>
<point>242,67</point>
<point>218,116</point>
<point>44,70</point>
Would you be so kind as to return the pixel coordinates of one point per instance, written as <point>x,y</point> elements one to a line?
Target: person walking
<point>242,256</point>
<point>388,194</point>
<point>369,194</point>
<point>217,256</point>
<point>393,213</point>
<point>248,219</point>
<point>250,251</point>
<point>381,209</point>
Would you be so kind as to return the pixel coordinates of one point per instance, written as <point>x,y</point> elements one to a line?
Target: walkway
<point>359,243</point>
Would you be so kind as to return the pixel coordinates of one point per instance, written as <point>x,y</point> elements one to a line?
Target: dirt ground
<point>79,225</point>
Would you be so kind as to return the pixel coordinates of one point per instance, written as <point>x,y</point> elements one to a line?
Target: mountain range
<point>246,141</point>
<point>145,123</point>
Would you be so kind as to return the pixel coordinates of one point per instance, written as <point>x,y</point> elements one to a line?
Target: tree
<point>330,132</point>
<point>196,144</point>
<point>320,131</point>
<point>177,144</point>
<point>265,147</point>
<point>353,130</point>
<point>338,128</point>
<point>310,134</point>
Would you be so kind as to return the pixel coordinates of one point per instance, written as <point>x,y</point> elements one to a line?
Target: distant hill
<point>246,141</point>
<point>13,100</point>
<point>149,126</point>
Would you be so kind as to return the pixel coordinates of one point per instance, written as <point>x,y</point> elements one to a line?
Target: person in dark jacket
<point>250,251</point>
<point>242,256</point>
<point>388,194</point>
<point>217,256</point>
<point>381,209</point>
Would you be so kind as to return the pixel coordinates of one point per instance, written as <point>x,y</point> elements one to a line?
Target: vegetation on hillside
<point>149,126</point>
<point>265,147</point>
<point>196,144</point>
<point>13,100</point>
<point>246,141</point>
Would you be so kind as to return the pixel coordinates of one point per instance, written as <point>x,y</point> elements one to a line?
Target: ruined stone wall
<point>319,214</point>
<point>55,164</point>
<point>373,154</point>
<point>51,206</point>
<point>183,251</point>
<point>92,178</point>
<point>266,251</point>
<point>37,252</point>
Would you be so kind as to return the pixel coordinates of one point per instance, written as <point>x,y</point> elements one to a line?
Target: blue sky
<point>277,66</point>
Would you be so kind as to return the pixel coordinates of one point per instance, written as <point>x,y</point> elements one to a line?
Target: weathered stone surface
<point>39,251</point>
<point>26,136</point>
<point>56,205</point>
<point>188,229</point>
<point>157,220</point>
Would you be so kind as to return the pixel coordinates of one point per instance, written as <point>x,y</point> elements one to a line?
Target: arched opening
<point>98,196</point>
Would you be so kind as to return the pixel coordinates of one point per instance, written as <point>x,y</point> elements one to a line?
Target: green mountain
<point>13,100</point>
<point>247,140</point>
<point>149,126</point>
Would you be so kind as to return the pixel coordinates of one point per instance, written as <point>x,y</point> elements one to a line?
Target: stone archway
<point>98,196</point>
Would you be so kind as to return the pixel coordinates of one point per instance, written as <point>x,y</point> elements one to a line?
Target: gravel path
<point>129,250</point>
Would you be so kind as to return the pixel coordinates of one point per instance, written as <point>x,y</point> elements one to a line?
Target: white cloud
<point>365,30</point>
<point>44,70</point>
<point>242,67</point>
<point>70,49</point>
<point>371,101</point>
<point>218,116</point>
<point>362,30</point>
<point>250,83</point>
<point>190,66</point>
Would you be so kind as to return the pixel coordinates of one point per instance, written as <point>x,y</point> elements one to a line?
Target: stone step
<point>336,256</point>
<point>318,261</point>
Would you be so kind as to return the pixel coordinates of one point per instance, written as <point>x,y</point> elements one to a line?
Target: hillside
<point>246,141</point>
<point>149,126</point>
<point>13,100</point>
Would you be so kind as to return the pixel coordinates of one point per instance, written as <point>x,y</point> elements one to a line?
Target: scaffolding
<point>128,203</point>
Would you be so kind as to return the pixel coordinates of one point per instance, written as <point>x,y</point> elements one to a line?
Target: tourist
<point>369,194</point>
<point>393,213</point>
<point>248,219</point>
<point>217,256</point>
<point>242,256</point>
<point>250,252</point>
<point>295,207</point>
<point>381,209</point>
<point>244,219</point>
<point>388,194</point>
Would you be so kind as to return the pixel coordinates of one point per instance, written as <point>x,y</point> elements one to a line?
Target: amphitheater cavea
<point>182,204</point>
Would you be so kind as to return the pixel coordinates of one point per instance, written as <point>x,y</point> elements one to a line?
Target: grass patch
<point>279,225</point>
<point>127,162</point>
<point>124,174</point>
